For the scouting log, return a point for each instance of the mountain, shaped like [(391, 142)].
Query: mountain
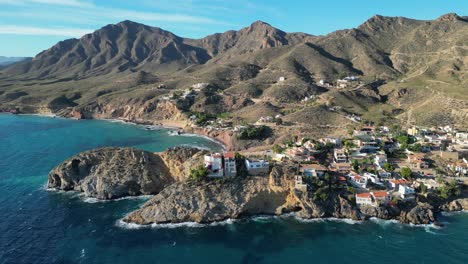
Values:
[(5, 61), (413, 71)]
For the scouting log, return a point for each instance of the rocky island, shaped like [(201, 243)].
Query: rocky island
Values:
[(110, 173)]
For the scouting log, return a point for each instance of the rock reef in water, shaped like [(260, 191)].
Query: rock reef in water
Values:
[(110, 173)]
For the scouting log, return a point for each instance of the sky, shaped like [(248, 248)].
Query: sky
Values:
[(29, 26)]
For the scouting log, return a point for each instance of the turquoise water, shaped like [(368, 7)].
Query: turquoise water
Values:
[(40, 226)]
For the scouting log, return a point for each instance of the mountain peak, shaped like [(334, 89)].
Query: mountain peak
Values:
[(449, 17), (128, 22), (260, 23)]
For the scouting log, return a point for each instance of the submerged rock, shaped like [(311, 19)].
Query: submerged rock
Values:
[(110, 173)]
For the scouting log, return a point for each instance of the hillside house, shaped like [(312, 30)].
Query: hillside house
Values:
[(257, 167), (339, 156), (381, 197), (406, 193), (416, 161), (230, 169), (357, 180), (373, 198), (395, 183), (342, 168), (214, 163), (313, 170), (364, 199), (380, 160)]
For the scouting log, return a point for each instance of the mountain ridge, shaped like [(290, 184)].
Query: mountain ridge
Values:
[(403, 56)]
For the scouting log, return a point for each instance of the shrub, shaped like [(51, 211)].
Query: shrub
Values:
[(253, 132), (199, 173), (406, 173)]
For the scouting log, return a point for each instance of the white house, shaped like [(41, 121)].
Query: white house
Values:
[(230, 169), (381, 197), (380, 160), (372, 177), (406, 193), (281, 79), (364, 199), (214, 163), (257, 167), (373, 198), (395, 183), (313, 170), (340, 156), (357, 180)]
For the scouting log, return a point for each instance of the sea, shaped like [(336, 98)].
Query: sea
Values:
[(38, 225)]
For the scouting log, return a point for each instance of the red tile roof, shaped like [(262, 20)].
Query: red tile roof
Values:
[(229, 155), (363, 195), (380, 194)]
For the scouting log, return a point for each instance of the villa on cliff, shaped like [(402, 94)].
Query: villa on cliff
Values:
[(221, 165), (373, 198)]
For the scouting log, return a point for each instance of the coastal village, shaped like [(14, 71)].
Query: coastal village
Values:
[(373, 166)]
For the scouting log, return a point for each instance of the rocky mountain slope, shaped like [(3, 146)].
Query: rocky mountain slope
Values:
[(121, 65)]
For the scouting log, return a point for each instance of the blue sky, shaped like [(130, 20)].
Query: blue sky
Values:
[(30, 26)]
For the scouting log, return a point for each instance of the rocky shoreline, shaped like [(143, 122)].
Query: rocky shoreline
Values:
[(111, 173)]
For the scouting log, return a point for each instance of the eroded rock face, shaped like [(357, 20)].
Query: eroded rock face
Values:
[(110, 173), (205, 202), (421, 214), (380, 212), (456, 205)]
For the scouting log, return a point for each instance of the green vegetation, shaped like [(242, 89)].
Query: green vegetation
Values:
[(449, 190), (406, 173), (388, 167), (278, 149), (199, 173), (423, 188), (253, 132)]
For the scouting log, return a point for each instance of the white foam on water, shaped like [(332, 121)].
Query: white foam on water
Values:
[(384, 222), (194, 146), (95, 200), (331, 219), (202, 136), (120, 223)]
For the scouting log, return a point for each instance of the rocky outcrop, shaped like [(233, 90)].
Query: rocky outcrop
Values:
[(456, 205), (139, 110), (181, 160), (205, 202), (381, 212), (213, 201), (110, 173), (334, 206), (421, 214)]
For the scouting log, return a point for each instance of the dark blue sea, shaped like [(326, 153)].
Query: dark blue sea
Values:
[(41, 226)]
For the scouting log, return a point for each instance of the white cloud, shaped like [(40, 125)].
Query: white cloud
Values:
[(153, 16), (65, 32), (72, 3)]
